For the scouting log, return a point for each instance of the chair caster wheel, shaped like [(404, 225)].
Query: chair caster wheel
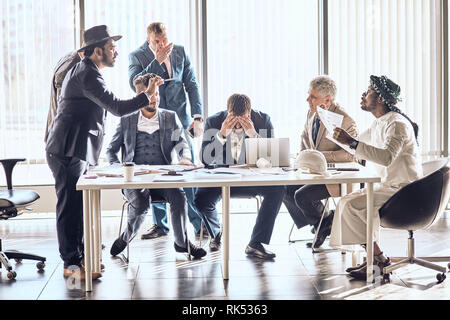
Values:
[(40, 265), (11, 275), (448, 266), (18, 260), (440, 277)]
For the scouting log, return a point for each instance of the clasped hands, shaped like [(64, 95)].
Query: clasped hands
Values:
[(235, 122)]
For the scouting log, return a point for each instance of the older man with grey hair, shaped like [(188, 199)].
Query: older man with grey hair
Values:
[(304, 202)]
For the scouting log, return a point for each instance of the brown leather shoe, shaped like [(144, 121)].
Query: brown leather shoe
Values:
[(102, 266), (79, 273)]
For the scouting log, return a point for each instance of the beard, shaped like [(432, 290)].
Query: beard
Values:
[(107, 62), (150, 109)]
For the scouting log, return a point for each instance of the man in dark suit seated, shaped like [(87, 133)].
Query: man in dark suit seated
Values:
[(223, 144), (152, 136)]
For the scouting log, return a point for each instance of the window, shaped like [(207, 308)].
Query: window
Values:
[(34, 38), (400, 39), (267, 50)]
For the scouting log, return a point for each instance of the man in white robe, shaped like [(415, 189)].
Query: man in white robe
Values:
[(390, 147)]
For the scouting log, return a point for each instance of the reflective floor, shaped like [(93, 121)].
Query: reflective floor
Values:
[(156, 271)]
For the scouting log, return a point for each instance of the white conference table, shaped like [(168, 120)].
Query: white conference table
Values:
[(92, 218)]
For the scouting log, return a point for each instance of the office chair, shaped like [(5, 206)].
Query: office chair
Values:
[(416, 206), (11, 203), (126, 204)]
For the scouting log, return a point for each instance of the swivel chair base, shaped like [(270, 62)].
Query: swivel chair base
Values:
[(18, 256), (422, 261)]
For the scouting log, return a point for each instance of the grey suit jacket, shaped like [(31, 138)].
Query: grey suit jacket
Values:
[(172, 93), (174, 145), (331, 151), (62, 67)]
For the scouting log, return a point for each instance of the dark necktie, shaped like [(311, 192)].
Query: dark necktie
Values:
[(166, 72), (315, 129)]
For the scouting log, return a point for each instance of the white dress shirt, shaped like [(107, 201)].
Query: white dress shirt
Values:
[(236, 139), (148, 125), (392, 148)]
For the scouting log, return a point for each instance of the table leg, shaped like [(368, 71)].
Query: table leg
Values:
[(99, 204), (226, 230), (96, 231), (369, 232), (87, 239)]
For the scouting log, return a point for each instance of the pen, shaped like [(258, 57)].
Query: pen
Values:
[(170, 79)]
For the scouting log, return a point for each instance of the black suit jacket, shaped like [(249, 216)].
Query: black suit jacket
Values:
[(78, 128), (62, 67), (213, 152)]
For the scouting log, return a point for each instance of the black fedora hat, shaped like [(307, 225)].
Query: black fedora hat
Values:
[(96, 35)]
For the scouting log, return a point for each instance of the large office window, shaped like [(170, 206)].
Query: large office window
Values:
[(267, 50), (400, 39), (130, 19), (33, 40)]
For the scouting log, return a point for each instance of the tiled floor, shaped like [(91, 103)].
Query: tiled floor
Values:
[(157, 272)]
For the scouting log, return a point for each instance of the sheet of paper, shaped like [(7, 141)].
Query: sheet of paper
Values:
[(168, 178), (271, 171), (330, 119), (210, 174)]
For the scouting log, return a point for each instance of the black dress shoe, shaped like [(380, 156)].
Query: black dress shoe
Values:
[(118, 246), (216, 242), (350, 269), (196, 251), (257, 250), (154, 232), (324, 231)]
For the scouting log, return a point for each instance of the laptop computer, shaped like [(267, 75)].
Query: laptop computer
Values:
[(275, 150)]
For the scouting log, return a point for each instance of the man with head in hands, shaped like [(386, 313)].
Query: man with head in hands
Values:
[(223, 144)]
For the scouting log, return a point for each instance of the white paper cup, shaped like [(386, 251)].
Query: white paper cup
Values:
[(128, 171)]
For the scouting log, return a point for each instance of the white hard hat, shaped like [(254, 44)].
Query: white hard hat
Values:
[(311, 160)]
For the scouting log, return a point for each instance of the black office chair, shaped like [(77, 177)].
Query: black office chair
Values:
[(11, 203), (415, 207)]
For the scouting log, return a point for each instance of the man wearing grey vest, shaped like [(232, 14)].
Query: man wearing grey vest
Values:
[(153, 137)]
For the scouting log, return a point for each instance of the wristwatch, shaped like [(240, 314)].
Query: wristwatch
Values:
[(198, 119), (354, 144)]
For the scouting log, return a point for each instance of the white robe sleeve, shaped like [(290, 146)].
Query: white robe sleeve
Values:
[(394, 136)]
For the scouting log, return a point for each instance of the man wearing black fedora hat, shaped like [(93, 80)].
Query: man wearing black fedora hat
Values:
[(76, 137)]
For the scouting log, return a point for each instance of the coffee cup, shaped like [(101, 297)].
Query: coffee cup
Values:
[(128, 171)]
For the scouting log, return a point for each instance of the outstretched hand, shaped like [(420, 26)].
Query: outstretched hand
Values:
[(153, 83)]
